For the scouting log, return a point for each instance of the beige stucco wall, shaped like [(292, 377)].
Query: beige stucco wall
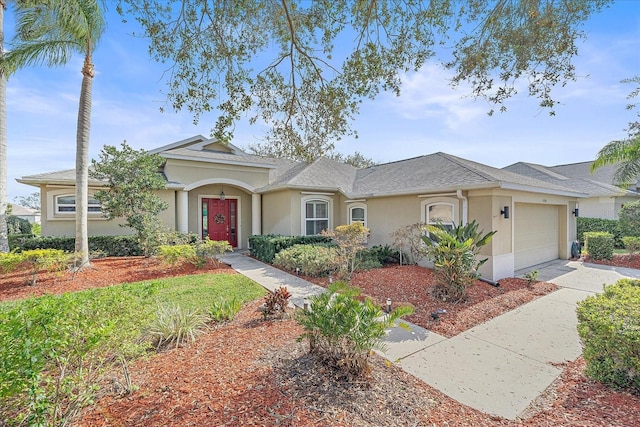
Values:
[(192, 172), (277, 213), (598, 207), (65, 225)]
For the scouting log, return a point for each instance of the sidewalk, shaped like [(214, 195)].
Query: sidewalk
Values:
[(498, 367)]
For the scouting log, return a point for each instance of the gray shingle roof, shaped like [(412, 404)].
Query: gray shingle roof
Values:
[(432, 173), (576, 176), (442, 172)]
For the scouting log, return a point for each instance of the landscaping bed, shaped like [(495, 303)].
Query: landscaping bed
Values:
[(254, 372), (411, 285)]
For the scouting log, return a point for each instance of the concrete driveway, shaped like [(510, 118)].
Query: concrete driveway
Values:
[(501, 366)]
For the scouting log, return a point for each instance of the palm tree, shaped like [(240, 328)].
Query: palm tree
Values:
[(48, 32), (4, 237), (625, 154)]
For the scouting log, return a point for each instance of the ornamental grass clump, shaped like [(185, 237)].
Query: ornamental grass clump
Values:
[(175, 325), (342, 331)]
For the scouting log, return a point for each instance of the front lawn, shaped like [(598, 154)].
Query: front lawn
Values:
[(54, 349)]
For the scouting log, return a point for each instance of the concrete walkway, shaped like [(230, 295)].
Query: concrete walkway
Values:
[(498, 367)]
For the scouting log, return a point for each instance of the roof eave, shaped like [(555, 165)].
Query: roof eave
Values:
[(534, 189), (220, 161)]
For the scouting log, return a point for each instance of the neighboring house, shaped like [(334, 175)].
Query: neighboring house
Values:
[(219, 191), (605, 199), (31, 215)]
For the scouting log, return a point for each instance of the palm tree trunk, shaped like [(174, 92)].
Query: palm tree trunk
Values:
[(4, 232), (82, 166)]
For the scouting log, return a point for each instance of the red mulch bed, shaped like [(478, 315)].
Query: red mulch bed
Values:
[(411, 285), (253, 372), (103, 272), (618, 260)]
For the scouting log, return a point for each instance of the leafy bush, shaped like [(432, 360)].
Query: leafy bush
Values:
[(224, 309), (197, 254), (265, 247), (612, 226), (113, 246), (385, 254), (54, 350), (17, 240), (350, 240), (210, 250), (310, 260), (342, 331), (276, 302), (631, 244), (629, 219), (531, 277), (17, 225), (609, 327), (367, 260), (408, 239), (176, 254), (175, 325), (599, 245), (33, 261), (453, 252)]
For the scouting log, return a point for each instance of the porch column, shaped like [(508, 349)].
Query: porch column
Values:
[(182, 220), (256, 213)]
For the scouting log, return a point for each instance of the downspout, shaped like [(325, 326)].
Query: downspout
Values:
[(465, 206)]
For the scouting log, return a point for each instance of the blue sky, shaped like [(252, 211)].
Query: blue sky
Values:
[(428, 117)]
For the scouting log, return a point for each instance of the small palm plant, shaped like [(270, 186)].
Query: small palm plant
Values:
[(454, 254)]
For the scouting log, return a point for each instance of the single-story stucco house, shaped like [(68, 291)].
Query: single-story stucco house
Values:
[(605, 199), (31, 215), (222, 192)]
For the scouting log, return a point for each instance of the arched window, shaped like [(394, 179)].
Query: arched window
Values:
[(358, 213), (440, 213), (316, 216)]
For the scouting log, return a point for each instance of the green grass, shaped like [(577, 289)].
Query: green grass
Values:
[(47, 342)]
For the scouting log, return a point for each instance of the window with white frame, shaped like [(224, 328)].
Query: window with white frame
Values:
[(316, 216), (440, 213), (66, 204), (358, 213)]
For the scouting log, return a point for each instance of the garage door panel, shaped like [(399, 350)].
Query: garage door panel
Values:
[(536, 234)]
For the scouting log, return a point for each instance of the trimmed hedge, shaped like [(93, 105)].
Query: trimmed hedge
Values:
[(612, 226), (609, 327), (311, 260), (599, 245), (105, 245), (265, 247)]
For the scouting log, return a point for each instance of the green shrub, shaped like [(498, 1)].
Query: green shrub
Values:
[(609, 327), (17, 225), (210, 250), (176, 254), (224, 309), (34, 261), (265, 247), (454, 256), (175, 325), (112, 246), (612, 226), (599, 245), (16, 240), (385, 254), (197, 254), (54, 350), (629, 219), (367, 260), (531, 277), (342, 331), (310, 260), (631, 244)]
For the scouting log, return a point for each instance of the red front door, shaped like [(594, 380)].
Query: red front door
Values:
[(219, 220)]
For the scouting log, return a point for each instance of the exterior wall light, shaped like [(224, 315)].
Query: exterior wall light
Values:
[(505, 212)]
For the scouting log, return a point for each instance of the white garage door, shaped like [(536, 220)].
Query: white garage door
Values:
[(536, 234)]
